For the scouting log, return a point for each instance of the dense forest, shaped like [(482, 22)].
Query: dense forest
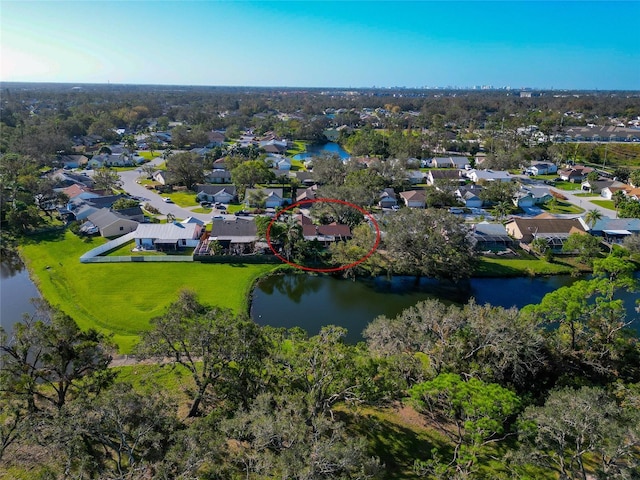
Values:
[(439, 391)]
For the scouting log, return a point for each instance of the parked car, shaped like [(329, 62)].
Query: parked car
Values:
[(395, 208), (205, 204), (167, 200), (241, 213), (221, 207)]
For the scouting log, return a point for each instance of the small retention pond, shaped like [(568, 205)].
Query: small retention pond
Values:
[(311, 302), (320, 149)]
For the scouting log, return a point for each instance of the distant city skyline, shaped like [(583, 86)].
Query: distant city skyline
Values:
[(589, 45)]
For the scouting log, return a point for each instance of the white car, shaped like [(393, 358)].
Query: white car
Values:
[(167, 200)]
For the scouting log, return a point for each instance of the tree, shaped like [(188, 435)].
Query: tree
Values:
[(49, 358), (498, 192), (634, 178), (592, 217), (329, 170), (124, 203), (579, 427), (478, 410), (248, 173), (361, 243), (274, 437), (585, 246), (221, 351), (431, 242), (186, 169), (106, 179)]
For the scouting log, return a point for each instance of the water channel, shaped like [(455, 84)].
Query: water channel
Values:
[(16, 292), (316, 150), (310, 302)]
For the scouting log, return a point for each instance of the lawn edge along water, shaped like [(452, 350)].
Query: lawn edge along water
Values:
[(121, 298)]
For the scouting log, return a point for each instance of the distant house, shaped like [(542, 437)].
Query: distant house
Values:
[(274, 146), (388, 198), (110, 223), (167, 236), (220, 164), (574, 174), (218, 176), (215, 138), (554, 230), (413, 198), (531, 196), (435, 175), (596, 186), (441, 162), (325, 234), (613, 229), (273, 197), (66, 179), (543, 168), (237, 236), (305, 195), (215, 193), (489, 176), (416, 176), (279, 162), (305, 178), (470, 195), (161, 176), (79, 191), (480, 158), (73, 161)]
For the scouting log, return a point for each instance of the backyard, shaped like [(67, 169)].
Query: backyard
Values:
[(121, 298)]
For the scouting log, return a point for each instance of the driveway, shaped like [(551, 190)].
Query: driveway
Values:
[(585, 202)]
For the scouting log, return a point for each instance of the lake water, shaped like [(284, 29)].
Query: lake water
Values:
[(312, 302), (320, 149), (16, 292)]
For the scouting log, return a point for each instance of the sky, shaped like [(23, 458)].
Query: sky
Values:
[(560, 45)]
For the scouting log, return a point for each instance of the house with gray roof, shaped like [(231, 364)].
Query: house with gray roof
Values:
[(109, 223), (215, 193), (613, 229), (273, 197), (237, 236), (490, 236)]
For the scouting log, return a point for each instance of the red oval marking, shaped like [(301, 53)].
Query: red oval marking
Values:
[(324, 270)]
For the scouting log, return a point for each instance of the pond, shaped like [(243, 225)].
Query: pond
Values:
[(316, 150), (16, 292), (311, 302)]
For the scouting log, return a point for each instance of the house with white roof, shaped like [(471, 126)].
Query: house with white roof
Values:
[(167, 236), (489, 176)]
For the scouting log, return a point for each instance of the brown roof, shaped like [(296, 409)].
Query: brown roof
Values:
[(543, 225), (413, 195)]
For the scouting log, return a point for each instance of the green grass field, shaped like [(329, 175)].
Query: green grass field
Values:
[(561, 207), (183, 199), (121, 298), (605, 204), (517, 267)]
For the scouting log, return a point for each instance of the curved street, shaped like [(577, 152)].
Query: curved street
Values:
[(133, 188)]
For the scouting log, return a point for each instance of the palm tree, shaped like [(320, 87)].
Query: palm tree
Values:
[(592, 217)]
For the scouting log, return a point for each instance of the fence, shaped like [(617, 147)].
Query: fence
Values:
[(143, 259), (90, 256)]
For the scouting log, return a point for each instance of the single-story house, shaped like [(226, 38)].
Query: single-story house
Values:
[(596, 186), (627, 190), (414, 198), (489, 176), (279, 162), (470, 199), (273, 197), (215, 193), (530, 196), (543, 168), (161, 176), (305, 195), (450, 175), (79, 191), (237, 236), (388, 198), (613, 229), (215, 138), (325, 234), (218, 176), (491, 236), (304, 177), (555, 230), (73, 161), (111, 223), (441, 162), (577, 173), (416, 176), (167, 236), (66, 179)]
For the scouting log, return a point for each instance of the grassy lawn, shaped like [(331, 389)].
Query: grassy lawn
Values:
[(121, 298), (183, 199), (297, 165), (605, 204), (201, 210), (568, 186), (147, 155), (586, 195), (299, 146), (524, 265), (561, 207)]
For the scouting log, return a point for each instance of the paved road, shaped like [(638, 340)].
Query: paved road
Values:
[(129, 185), (585, 202)]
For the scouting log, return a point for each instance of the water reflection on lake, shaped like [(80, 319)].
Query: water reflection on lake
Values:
[(16, 291), (311, 302), (316, 150)]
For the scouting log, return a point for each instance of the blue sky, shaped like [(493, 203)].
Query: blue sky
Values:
[(577, 44)]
